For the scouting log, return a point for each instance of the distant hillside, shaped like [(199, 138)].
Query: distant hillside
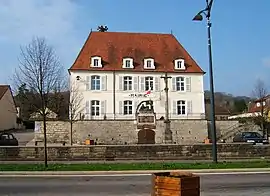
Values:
[(228, 101), (221, 96)]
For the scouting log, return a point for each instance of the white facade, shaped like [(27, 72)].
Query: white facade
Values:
[(115, 95), (8, 112)]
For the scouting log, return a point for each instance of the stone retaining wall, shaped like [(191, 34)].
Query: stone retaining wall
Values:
[(121, 132), (135, 152)]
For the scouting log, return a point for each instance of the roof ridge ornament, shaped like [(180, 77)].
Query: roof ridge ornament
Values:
[(102, 28)]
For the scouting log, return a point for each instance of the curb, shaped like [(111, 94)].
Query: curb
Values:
[(131, 172)]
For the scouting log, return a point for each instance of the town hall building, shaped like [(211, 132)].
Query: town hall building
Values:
[(115, 71)]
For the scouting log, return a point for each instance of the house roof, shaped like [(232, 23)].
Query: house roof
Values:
[(114, 46), (254, 108), (219, 110), (253, 105), (3, 90)]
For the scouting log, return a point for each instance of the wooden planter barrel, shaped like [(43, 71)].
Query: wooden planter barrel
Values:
[(175, 184)]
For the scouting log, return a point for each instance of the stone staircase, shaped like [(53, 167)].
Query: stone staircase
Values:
[(235, 129)]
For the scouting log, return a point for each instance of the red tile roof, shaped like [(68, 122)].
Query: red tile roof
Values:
[(254, 108), (3, 90), (114, 46)]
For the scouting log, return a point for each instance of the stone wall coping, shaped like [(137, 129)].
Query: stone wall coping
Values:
[(134, 145), (130, 120)]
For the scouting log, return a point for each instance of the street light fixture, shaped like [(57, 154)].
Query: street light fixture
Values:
[(199, 17)]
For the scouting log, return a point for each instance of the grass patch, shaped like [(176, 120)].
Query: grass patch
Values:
[(132, 166)]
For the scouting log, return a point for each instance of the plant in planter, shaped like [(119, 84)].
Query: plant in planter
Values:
[(175, 184)]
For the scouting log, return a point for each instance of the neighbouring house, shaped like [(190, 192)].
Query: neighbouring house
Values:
[(255, 108), (8, 111), (117, 70), (221, 111), (259, 105), (37, 115)]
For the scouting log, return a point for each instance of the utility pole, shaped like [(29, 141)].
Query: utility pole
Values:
[(168, 133)]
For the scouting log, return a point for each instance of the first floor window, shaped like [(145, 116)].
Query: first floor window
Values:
[(95, 82), (127, 83), (95, 108), (127, 107), (181, 107), (149, 83), (180, 84)]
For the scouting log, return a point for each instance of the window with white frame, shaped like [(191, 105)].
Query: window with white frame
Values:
[(149, 63), (179, 64), (180, 83), (95, 82), (95, 108), (127, 63), (149, 83), (127, 80), (128, 107), (96, 62), (181, 107)]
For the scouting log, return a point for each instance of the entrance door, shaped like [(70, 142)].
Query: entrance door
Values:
[(146, 136)]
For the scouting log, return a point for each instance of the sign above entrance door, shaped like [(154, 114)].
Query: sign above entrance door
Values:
[(141, 95), (136, 95)]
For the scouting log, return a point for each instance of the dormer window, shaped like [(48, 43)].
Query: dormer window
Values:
[(149, 63), (179, 64), (96, 61), (128, 63)]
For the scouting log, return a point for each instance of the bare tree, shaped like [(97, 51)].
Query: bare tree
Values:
[(75, 108), (260, 92), (40, 70)]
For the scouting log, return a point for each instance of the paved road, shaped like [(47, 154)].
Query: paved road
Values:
[(212, 185)]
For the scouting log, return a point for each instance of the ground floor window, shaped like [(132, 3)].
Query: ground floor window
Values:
[(127, 107), (181, 107), (95, 108)]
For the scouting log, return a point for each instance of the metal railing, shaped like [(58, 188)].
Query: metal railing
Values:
[(159, 116)]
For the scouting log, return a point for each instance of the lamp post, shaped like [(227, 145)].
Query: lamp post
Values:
[(199, 17)]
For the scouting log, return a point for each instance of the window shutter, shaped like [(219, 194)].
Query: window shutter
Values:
[(135, 83), (88, 83), (103, 107), (174, 108), (142, 84), (121, 109), (157, 83), (104, 83), (189, 107), (120, 83), (173, 83), (188, 84), (87, 110)]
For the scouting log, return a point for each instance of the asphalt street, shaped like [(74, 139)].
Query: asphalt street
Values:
[(211, 185)]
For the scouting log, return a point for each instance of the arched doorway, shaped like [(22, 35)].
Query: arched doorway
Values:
[(146, 136)]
